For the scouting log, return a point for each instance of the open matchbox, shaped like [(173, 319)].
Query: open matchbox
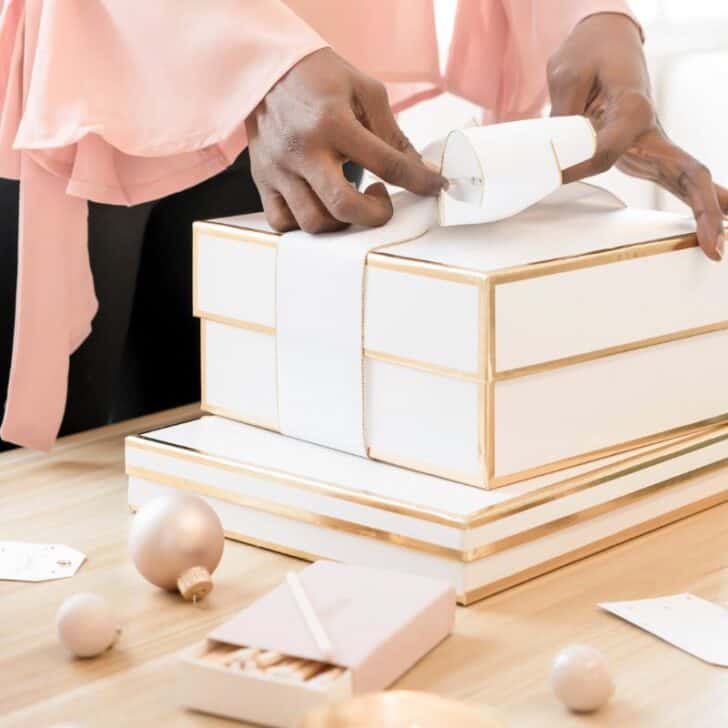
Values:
[(265, 667)]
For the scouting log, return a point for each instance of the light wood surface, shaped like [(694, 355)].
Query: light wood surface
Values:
[(499, 654)]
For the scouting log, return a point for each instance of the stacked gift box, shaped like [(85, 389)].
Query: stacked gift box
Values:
[(534, 390)]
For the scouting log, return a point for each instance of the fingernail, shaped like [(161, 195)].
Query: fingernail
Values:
[(720, 246)]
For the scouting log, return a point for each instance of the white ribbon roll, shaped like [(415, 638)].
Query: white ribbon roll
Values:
[(495, 172)]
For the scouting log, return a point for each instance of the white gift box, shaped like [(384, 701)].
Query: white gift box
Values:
[(495, 352), (312, 502), (374, 640)]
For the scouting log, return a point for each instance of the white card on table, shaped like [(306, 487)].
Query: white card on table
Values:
[(695, 625), (20, 561)]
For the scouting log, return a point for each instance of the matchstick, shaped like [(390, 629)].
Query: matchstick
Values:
[(309, 615), (268, 659)]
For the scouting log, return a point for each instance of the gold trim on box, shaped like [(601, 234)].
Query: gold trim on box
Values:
[(477, 553), (594, 258), (487, 281), (604, 474), (665, 519), (550, 365), (467, 556), (180, 452), (423, 366), (457, 476), (570, 462), (296, 514), (470, 597), (537, 497), (237, 323), (240, 234)]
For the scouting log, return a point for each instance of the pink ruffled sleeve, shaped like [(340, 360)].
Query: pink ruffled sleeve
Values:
[(117, 102), (500, 49)]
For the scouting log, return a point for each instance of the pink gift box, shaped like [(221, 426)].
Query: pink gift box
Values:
[(380, 623)]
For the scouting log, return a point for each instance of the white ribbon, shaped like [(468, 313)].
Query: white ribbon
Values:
[(495, 172)]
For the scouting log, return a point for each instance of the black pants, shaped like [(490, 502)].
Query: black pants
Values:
[(143, 353)]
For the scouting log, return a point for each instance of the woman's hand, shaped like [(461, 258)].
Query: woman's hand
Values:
[(600, 72), (322, 113)]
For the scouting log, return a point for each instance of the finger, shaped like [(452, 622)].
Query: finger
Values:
[(623, 121), (277, 212), (696, 188), (357, 143), (722, 193), (613, 141), (654, 157), (569, 89), (309, 212), (345, 203), (375, 113)]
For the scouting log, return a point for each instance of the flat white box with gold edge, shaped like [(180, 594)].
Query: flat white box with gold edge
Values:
[(495, 352), (312, 502)]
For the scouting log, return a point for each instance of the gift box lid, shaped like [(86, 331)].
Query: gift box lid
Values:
[(379, 622), (574, 221)]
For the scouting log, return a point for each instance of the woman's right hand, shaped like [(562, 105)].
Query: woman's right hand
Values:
[(322, 113)]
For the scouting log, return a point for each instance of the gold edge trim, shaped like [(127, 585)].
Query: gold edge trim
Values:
[(269, 546), (239, 234), (258, 543), (532, 499), (483, 347), (195, 266), (593, 258), (566, 463), (231, 415), (422, 366), (203, 365), (144, 442), (587, 514), (427, 269), (444, 473), (237, 323), (408, 265), (296, 514), (518, 539), (410, 363), (604, 474), (474, 595), (490, 394), (546, 366), (464, 275)]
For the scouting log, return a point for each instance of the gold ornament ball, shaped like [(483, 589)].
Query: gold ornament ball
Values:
[(176, 542), (401, 709), (581, 679), (86, 625)]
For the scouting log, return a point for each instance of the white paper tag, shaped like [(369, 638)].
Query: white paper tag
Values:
[(20, 561), (695, 625)]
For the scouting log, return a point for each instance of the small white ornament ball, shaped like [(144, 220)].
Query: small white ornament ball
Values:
[(581, 679), (86, 625), (176, 542)]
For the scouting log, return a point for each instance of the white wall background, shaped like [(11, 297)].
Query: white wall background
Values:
[(687, 49)]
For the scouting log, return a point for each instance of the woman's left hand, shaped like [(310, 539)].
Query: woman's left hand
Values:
[(600, 72)]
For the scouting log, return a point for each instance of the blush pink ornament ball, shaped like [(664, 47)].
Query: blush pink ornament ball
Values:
[(176, 542), (86, 625), (581, 679)]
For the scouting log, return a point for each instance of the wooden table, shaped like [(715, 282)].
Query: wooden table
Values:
[(499, 654)]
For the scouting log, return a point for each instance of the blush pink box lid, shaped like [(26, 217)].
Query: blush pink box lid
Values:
[(380, 623)]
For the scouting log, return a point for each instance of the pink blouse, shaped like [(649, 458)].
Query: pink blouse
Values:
[(123, 101)]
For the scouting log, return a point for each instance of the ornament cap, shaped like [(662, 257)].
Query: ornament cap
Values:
[(194, 583)]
